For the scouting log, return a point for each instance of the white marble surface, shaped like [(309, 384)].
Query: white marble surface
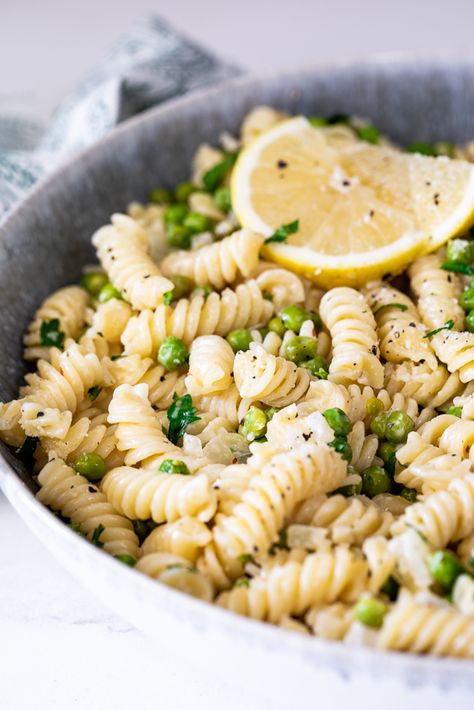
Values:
[(59, 647)]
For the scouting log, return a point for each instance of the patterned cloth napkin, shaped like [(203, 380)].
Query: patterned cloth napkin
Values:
[(147, 66)]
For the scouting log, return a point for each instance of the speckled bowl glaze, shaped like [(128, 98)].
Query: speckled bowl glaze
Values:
[(43, 245)]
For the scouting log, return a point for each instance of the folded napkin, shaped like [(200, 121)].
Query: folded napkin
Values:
[(149, 65)]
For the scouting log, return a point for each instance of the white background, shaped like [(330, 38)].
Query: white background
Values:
[(60, 648)]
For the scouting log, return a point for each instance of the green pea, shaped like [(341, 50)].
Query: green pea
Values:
[(183, 191), (178, 236), (378, 425), (254, 424), (276, 326), (410, 494), (172, 353), (126, 559), (338, 421), (460, 250), (182, 286), (91, 466), (94, 281), (300, 348), (293, 317), (342, 447), (467, 299), (354, 489), (373, 406), (370, 612), (160, 196), (222, 199), (470, 321), (239, 339), (174, 466), (455, 411), (196, 222), (107, 292), (390, 588), (399, 425), (205, 290), (270, 412), (175, 214), (317, 366), (375, 480), (387, 452), (445, 568), (317, 121)]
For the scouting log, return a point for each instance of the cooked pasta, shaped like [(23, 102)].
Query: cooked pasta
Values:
[(122, 248), (70, 307), (217, 264), (347, 315), (217, 314), (242, 423)]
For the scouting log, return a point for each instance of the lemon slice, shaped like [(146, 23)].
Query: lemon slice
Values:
[(364, 210)]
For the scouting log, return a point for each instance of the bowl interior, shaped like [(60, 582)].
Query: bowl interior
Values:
[(46, 241)]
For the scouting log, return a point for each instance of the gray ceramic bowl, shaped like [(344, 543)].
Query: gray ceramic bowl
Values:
[(43, 245)]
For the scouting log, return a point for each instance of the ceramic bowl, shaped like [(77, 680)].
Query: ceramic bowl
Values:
[(43, 245)]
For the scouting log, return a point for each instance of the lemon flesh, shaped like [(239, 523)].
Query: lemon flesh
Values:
[(363, 210)]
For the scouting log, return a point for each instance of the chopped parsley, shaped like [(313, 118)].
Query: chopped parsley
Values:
[(281, 234), (280, 544), (245, 559), (126, 559), (77, 528), (180, 565), (400, 306), (96, 536), (447, 326), (242, 582), (180, 414), (168, 297), (94, 392), (213, 177), (458, 267), (51, 334)]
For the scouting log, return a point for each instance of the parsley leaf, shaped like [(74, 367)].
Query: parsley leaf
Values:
[(212, 178), (400, 306), (168, 297), (180, 565), (241, 582), (245, 559), (280, 544), (50, 333), (77, 528), (457, 267), (94, 392), (180, 414), (27, 449), (447, 326), (280, 234), (126, 559), (96, 535)]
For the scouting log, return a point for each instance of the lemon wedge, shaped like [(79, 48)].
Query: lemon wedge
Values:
[(364, 210)]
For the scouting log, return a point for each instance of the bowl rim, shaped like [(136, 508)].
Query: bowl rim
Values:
[(414, 670)]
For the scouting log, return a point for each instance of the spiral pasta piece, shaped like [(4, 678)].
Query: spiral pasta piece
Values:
[(211, 361), (273, 380), (284, 286), (437, 291), (428, 468), (70, 307), (347, 315), (110, 320), (294, 587), (364, 448), (64, 383), (398, 325), (176, 572), (217, 264), (456, 350), (270, 498), (122, 248), (185, 537), (442, 631), (421, 383), (244, 307), (331, 622), (85, 505), (442, 517)]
